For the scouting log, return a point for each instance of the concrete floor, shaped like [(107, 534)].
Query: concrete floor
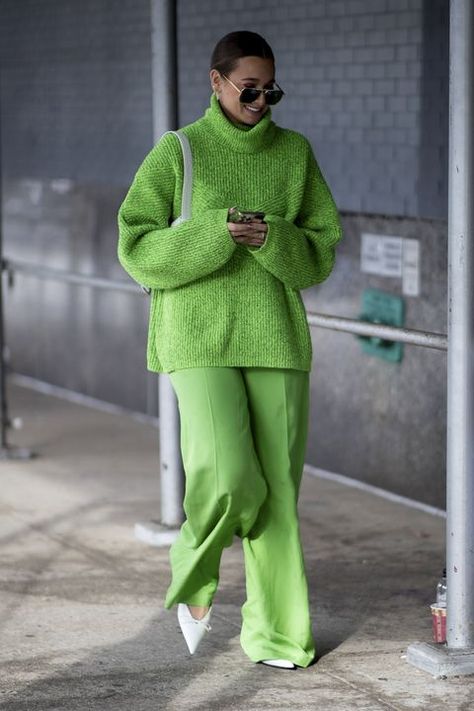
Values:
[(82, 624)]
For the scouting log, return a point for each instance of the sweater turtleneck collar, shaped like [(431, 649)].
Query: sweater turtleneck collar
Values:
[(240, 138)]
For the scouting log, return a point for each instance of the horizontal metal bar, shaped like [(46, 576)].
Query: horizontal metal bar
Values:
[(437, 341), (14, 265)]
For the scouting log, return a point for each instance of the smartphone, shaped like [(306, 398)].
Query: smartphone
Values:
[(237, 215)]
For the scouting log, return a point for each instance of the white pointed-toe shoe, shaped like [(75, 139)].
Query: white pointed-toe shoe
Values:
[(280, 663), (193, 630)]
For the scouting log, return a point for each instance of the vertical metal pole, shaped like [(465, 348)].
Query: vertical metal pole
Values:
[(6, 451), (164, 66), (460, 415), (164, 91), (3, 391), (171, 468)]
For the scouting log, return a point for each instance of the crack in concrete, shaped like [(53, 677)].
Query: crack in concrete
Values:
[(362, 689)]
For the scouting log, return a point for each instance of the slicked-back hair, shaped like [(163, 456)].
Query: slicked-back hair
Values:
[(236, 45)]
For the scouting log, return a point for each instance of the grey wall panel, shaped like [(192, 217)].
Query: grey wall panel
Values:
[(382, 422), (87, 340), (76, 123)]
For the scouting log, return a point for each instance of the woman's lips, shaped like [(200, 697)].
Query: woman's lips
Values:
[(253, 111)]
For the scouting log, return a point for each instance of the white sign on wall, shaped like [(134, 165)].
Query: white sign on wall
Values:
[(389, 256), (411, 267)]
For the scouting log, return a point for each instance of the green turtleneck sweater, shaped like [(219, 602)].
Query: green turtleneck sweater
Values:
[(213, 302)]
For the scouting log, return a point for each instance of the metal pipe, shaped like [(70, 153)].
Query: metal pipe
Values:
[(460, 414), (13, 265), (388, 333), (164, 101), (412, 337)]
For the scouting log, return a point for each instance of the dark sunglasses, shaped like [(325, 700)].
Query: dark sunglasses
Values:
[(249, 94)]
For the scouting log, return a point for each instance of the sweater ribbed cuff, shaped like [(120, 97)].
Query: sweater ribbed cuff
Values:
[(297, 256)]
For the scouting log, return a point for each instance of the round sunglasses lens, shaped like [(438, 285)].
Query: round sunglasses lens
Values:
[(248, 95), (273, 96)]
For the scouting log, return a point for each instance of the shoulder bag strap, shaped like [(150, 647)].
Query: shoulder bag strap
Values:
[(187, 180), (187, 184)]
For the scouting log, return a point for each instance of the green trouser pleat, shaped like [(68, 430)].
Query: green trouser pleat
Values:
[(276, 619), (224, 484), (243, 441)]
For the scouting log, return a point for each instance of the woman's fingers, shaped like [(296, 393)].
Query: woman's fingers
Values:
[(244, 229), (257, 241), (255, 226), (252, 233), (254, 238)]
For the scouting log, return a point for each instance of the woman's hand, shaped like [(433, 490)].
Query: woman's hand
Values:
[(249, 233)]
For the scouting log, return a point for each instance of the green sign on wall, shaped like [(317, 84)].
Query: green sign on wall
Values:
[(380, 307)]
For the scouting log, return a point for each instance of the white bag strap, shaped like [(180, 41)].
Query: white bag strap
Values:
[(187, 184), (187, 180)]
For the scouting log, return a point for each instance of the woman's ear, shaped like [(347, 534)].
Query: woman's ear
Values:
[(215, 78)]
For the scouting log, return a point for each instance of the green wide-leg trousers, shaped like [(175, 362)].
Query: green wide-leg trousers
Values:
[(243, 442)]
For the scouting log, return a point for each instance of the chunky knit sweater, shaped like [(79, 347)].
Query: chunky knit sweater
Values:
[(215, 302)]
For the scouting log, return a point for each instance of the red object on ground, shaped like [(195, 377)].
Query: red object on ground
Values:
[(438, 615)]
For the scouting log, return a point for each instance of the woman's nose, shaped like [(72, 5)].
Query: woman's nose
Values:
[(259, 102)]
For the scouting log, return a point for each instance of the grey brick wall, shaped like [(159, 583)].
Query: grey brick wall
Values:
[(366, 81), (75, 88)]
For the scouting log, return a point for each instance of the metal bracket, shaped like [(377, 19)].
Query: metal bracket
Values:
[(440, 660), (155, 534), (18, 453)]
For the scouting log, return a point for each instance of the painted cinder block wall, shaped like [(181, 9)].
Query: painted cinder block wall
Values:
[(365, 80)]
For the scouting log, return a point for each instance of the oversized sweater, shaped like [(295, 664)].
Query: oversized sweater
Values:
[(215, 302)]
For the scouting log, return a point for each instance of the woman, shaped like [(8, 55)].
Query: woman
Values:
[(228, 324)]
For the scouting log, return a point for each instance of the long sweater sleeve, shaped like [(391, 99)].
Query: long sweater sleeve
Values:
[(302, 253), (155, 254)]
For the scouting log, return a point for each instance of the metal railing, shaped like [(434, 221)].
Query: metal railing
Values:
[(12, 266), (426, 339)]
